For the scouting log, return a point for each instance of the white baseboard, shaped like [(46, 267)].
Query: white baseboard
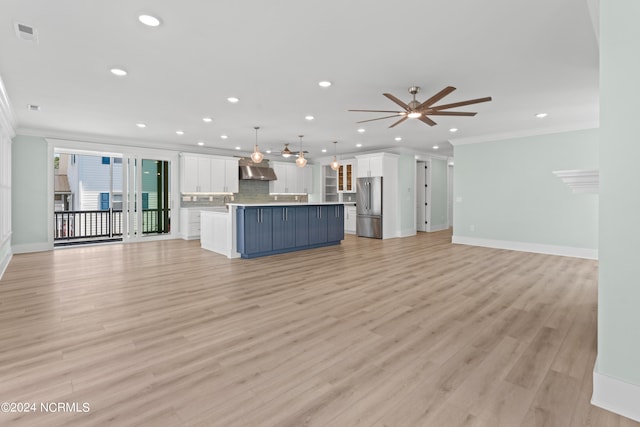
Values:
[(31, 247), (527, 247), (438, 227), (407, 233), (616, 396), (4, 263)]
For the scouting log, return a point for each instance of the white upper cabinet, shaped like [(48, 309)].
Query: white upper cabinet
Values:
[(189, 174), (291, 179), (370, 166), (307, 179), (208, 174), (204, 175), (347, 177), (224, 175)]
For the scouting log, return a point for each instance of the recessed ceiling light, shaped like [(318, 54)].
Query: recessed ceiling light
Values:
[(324, 150), (33, 107), (148, 20), (268, 151), (358, 145), (118, 72), (237, 148), (453, 130), (233, 99), (541, 115), (324, 83), (309, 118), (435, 147), (141, 125), (179, 132), (361, 130), (397, 138), (200, 143), (207, 119), (224, 136)]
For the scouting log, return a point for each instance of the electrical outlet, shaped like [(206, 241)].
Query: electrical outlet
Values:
[(472, 227)]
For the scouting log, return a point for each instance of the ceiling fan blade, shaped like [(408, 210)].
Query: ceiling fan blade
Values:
[(437, 97), (379, 118), (399, 121), (378, 111), (450, 113), (461, 103), (427, 120), (396, 100)]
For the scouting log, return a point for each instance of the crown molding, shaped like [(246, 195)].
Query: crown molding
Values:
[(524, 133), (580, 181), (98, 139)]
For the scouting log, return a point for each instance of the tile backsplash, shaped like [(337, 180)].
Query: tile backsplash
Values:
[(249, 192)]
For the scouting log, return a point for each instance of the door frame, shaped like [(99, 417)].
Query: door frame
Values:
[(126, 152)]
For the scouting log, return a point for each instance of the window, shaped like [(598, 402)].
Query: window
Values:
[(104, 201), (117, 202)]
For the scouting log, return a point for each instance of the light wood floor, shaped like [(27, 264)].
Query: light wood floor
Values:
[(401, 332)]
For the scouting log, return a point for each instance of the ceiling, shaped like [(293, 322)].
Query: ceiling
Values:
[(531, 57)]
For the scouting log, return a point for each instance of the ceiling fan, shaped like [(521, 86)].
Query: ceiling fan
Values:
[(288, 153), (421, 111)]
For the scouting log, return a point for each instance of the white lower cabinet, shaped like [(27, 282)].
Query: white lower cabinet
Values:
[(190, 221), (350, 219)]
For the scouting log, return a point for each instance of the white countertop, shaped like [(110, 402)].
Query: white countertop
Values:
[(288, 204), (207, 208), (215, 211)]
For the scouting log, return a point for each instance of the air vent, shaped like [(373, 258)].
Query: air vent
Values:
[(33, 107), (25, 32)]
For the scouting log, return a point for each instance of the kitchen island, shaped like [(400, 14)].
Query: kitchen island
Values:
[(255, 230)]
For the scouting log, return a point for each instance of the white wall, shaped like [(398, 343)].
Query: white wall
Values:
[(406, 172), (6, 132), (617, 374), (30, 194), (507, 195)]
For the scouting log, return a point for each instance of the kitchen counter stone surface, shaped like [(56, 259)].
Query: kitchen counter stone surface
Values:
[(287, 204)]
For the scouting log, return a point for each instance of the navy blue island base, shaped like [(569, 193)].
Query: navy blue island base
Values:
[(267, 230)]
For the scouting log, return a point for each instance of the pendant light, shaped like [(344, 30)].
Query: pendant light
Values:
[(334, 164), (301, 161), (256, 156)]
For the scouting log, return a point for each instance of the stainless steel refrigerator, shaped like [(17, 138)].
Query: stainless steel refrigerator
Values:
[(369, 207)]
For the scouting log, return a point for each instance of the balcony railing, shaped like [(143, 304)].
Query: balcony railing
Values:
[(104, 225)]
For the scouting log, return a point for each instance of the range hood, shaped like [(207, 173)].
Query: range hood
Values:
[(256, 171)]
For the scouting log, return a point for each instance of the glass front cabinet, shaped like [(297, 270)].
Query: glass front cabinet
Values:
[(346, 178)]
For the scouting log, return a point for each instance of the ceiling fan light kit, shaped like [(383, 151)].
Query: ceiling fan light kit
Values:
[(286, 153), (421, 110)]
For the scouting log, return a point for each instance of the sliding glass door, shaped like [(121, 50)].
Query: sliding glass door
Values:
[(148, 200), (155, 197)]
